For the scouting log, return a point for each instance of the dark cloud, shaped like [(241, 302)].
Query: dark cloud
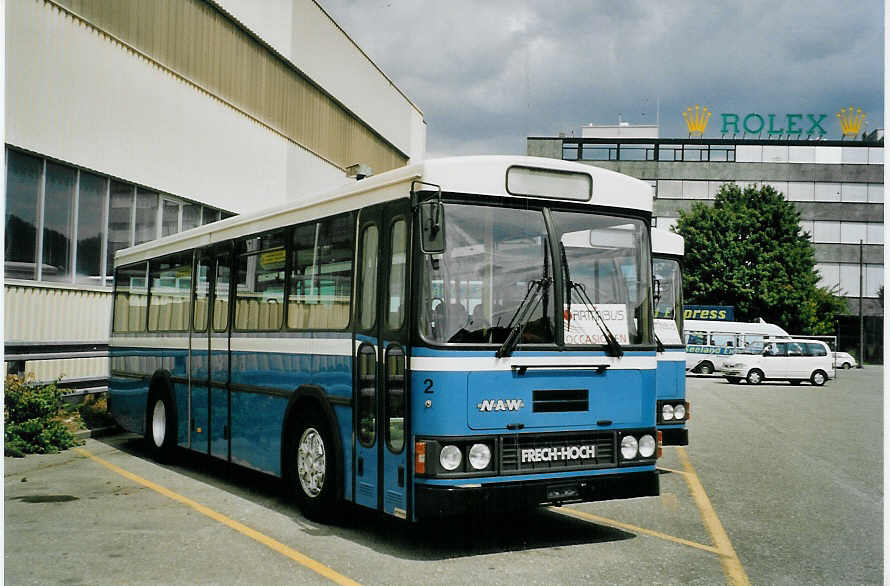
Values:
[(488, 74)]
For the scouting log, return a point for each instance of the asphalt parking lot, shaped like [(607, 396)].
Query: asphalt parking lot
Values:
[(779, 485)]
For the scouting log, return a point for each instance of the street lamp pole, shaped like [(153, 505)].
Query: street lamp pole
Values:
[(861, 330)]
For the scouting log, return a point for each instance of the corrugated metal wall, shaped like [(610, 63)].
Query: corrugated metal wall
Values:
[(198, 42), (45, 313)]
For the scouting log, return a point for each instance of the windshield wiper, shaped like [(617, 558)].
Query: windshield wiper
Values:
[(611, 342), (520, 317), (659, 346)]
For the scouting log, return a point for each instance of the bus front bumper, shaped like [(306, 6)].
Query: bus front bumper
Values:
[(445, 501), (674, 436)]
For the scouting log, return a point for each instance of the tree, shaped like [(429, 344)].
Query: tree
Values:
[(749, 251)]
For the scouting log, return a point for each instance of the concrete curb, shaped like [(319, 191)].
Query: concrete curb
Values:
[(98, 432)]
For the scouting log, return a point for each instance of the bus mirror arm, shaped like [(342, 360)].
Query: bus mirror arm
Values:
[(431, 219)]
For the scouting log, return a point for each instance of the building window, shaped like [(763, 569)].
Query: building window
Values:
[(191, 216), (853, 232), (24, 180), (570, 151), (91, 209), (74, 220), (824, 232), (170, 217), (599, 152), (146, 226), (58, 216)]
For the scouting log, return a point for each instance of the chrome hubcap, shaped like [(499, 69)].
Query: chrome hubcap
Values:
[(755, 377), (818, 378), (311, 462), (159, 423)]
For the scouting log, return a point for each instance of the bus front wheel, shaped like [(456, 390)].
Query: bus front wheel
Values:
[(706, 368), (311, 470), (818, 378)]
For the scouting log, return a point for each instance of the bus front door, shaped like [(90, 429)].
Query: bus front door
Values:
[(381, 334), (366, 346)]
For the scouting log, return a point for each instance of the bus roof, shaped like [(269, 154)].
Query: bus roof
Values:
[(733, 327), (484, 175), (666, 242)]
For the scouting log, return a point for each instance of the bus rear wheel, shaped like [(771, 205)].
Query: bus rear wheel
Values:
[(706, 368), (311, 473), (818, 378), (160, 428)]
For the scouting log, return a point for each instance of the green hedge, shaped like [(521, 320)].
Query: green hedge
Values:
[(29, 415)]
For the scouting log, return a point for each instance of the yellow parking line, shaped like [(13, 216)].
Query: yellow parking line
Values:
[(732, 566), (308, 562), (633, 528)]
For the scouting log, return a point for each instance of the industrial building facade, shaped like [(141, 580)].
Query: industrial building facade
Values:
[(128, 121), (836, 185)]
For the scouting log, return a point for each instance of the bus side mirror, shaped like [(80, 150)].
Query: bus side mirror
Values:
[(432, 227)]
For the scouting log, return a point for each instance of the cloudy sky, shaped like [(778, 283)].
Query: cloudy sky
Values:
[(486, 74)]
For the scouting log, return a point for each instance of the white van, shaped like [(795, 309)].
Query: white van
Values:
[(791, 360), (709, 343)]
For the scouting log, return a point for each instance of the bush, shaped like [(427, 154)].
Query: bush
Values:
[(29, 415)]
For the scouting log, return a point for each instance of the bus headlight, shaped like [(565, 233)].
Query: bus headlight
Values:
[(647, 446), (450, 457), (680, 412), (628, 447), (479, 456), (667, 412)]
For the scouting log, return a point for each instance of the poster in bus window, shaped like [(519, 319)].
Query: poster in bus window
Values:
[(667, 332), (582, 329)]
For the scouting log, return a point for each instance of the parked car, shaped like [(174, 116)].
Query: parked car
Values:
[(844, 360), (791, 360)]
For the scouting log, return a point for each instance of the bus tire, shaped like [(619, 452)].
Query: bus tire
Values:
[(846, 366), (706, 368), (160, 428), (755, 377), (311, 466), (818, 378)]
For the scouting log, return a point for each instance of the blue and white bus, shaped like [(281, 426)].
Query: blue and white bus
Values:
[(457, 334), (672, 409)]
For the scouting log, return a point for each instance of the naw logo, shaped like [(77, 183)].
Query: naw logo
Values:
[(851, 123), (500, 405), (697, 121)]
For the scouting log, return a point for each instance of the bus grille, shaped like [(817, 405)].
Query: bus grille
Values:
[(554, 452), (559, 400)]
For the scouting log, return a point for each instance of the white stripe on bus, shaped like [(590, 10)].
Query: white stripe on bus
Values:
[(464, 363)]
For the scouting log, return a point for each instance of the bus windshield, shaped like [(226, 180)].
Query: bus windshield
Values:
[(669, 306), (497, 275)]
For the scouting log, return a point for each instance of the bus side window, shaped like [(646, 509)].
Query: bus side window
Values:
[(130, 298), (259, 289), (170, 293)]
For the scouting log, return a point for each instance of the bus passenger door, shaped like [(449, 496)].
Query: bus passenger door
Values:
[(395, 331), (381, 335), (209, 418), (200, 354), (366, 347), (220, 422)]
